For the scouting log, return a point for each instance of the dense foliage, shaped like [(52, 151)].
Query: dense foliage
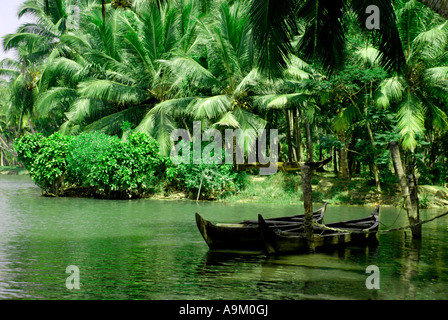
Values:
[(206, 179), (154, 66), (100, 165)]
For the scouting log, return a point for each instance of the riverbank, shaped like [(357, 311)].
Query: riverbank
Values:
[(328, 187), (13, 171), (286, 188)]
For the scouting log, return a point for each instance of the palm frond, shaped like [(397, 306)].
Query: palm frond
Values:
[(387, 37), (390, 90), (281, 101), (324, 39), (112, 124), (249, 123), (84, 110), (112, 92), (187, 69), (210, 107), (345, 118), (273, 26), (55, 98), (250, 80), (369, 56), (436, 117), (436, 74), (159, 126), (432, 43), (297, 69), (175, 107), (228, 120), (410, 120)]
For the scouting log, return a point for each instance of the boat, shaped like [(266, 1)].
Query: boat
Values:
[(286, 166), (245, 235), (354, 232)]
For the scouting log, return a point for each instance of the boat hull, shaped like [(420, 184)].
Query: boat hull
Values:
[(278, 242), (246, 235)]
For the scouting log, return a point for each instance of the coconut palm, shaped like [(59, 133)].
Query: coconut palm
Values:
[(323, 26), (288, 97), (420, 91), (36, 44), (214, 86), (116, 67), (23, 76)]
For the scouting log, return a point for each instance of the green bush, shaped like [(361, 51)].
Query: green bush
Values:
[(106, 165), (114, 168), (28, 148), (45, 158), (211, 180), (95, 164)]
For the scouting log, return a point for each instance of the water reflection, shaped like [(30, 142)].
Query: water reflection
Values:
[(153, 250), (410, 269)]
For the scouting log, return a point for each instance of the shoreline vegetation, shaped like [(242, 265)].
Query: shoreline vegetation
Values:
[(285, 188), (91, 100)]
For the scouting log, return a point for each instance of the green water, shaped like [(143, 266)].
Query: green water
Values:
[(151, 249)]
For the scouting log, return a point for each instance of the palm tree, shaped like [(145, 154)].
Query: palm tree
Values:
[(420, 91), (118, 66), (7, 133), (23, 76), (36, 44), (215, 86), (323, 25), (358, 83), (288, 97)]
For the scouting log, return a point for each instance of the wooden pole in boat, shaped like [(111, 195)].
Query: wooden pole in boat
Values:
[(409, 191), (308, 204)]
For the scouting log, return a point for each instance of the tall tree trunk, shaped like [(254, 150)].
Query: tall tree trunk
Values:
[(409, 192), (438, 6), (375, 170), (309, 143), (343, 160), (335, 160), (298, 131), (289, 127), (308, 204), (31, 126)]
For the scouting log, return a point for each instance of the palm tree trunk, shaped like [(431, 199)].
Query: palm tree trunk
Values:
[(20, 123), (308, 206), (343, 160), (374, 166), (372, 140), (335, 160), (298, 131), (409, 191), (31, 126), (438, 6), (291, 152), (309, 142)]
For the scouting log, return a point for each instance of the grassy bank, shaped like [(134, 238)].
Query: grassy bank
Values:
[(287, 188)]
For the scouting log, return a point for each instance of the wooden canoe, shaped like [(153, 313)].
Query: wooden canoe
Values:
[(356, 232), (245, 235)]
